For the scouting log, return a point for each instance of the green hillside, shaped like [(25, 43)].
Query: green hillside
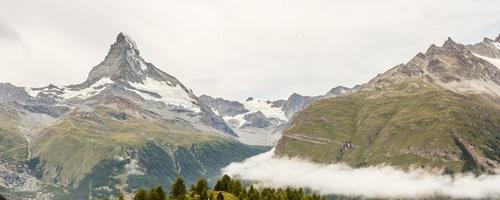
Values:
[(12, 143), (411, 124), (96, 154)]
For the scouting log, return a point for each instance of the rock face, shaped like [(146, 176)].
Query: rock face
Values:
[(439, 111), (125, 74), (128, 125), (471, 69), (260, 121)]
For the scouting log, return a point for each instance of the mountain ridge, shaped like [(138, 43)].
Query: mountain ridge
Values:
[(439, 111), (261, 121), (128, 125)]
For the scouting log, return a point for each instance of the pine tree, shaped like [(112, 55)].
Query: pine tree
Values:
[(121, 197), (218, 186), (235, 187), (141, 195), (178, 190), (153, 195), (253, 194), (201, 185), (226, 180), (161, 193), (223, 184), (220, 196), (204, 195)]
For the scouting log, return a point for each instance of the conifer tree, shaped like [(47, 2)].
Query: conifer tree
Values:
[(201, 185), (161, 193), (141, 195), (153, 195), (178, 190), (253, 194), (204, 195), (235, 187), (218, 186)]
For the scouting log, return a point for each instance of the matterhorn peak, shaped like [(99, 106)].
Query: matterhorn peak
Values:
[(124, 43), (123, 63)]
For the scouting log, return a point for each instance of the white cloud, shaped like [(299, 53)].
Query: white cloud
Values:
[(262, 48), (371, 182)]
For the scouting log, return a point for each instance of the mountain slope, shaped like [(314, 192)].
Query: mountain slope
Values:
[(440, 110), (260, 121), (128, 125)]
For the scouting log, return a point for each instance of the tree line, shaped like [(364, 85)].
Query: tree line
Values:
[(226, 188)]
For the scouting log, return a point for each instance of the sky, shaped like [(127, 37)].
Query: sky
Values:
[(235, 49)]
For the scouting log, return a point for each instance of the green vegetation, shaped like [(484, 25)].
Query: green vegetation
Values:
[(89, 150), (411, 124), (12, 144), (232, 189)]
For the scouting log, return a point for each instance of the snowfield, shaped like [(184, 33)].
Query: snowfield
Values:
[(170, 94), (68, 93), (266, 108)]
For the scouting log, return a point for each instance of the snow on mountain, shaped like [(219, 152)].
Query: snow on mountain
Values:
[(67, 93), (494, 61), (266, 107), (124, 74), (168, 93), (460, 68), (259, 121)]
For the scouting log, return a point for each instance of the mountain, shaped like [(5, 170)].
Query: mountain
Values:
[(439, 111), (261, 121), (128, 125)]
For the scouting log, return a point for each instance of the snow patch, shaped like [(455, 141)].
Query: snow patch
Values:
[(144, 67), (237, 120), (494, 61), (67, 93), (94, 89), (170, 95), (131, 168), (32, 92), (496, 44), (266, 108), (216, 112)]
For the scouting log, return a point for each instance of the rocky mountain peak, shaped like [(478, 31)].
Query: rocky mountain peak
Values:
[(450, 44), (487, 40), (125, 43), (460, 68), (498, 38), (122, 64)]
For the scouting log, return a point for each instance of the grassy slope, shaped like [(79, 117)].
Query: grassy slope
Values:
[(80, 141), (12, 144), (410, 124), (83, 148)]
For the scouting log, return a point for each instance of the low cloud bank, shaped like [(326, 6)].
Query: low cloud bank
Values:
[(382, 182)]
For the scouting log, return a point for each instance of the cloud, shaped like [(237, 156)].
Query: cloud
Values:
[(371, 182), (262, 48), (8, 33)]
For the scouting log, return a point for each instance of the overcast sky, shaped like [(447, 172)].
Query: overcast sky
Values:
[(235, 49)]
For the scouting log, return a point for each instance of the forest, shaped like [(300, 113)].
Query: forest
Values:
[(226, 188)]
